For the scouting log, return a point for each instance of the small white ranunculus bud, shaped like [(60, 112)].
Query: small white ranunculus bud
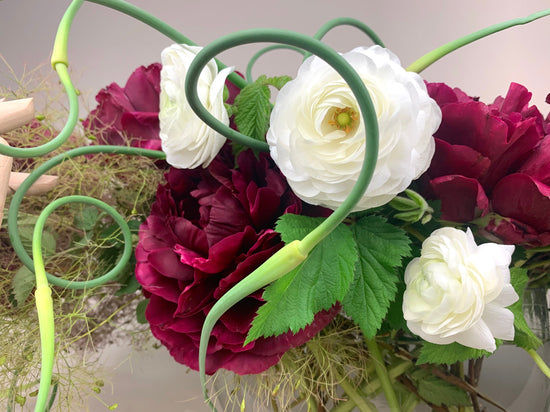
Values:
[(187, 141), (458, 291)]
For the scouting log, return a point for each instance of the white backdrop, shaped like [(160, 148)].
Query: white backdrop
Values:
[(106, 46)]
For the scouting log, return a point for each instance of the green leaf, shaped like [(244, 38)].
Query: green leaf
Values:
[(140, 311), (87, 218), (278, 82), (252, 106), (449, 354), (318, 283), (524, 336), (22, 285), (381, 248), (440, 392), (253, 109)]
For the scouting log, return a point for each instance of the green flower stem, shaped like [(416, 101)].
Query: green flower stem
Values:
[(282, 262), (161, 27), (264, 274), (43, 293), (62, 137), (348, 21), (539, 361), (263, 51), (355, 396), (382, 374), (33, 177), (340, 65), (438, 53), (373, 385)]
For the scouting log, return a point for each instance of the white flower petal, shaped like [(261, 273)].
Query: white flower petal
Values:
[(187, 141), (500, 321), (479, 336), (457, 291)]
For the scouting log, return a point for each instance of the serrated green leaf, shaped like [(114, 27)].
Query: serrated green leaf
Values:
[(318, 283), (440, 392), (381, 248), (449, 354), (22, 285), (253, 109), (394, 318), (87, 218), (278, 82), (524, 336), (140, 311)]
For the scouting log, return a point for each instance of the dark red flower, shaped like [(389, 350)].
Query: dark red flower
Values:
[(208, 229), (491, 165), (129, 113)]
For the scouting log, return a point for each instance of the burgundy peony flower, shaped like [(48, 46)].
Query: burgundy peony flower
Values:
[(491, 165), (129, 113), (208, 229)]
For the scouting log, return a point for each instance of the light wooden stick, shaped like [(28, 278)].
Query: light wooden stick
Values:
[(15, 113), (43, 184), (5, 171)]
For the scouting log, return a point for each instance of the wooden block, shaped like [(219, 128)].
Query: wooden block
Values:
[(15, 113), (44, 184), (5, 172)]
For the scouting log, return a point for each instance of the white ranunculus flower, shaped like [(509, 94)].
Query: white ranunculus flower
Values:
[(187, 141), (458, 291), (317, 138)]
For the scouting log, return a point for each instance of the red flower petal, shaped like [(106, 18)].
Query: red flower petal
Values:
[(462, 198), (521, 197)]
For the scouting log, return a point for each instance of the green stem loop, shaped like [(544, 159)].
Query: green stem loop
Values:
[(266, 274), (43, 293), (33, 177), (162, 27)]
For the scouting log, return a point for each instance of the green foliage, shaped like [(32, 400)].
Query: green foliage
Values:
[(140, 311), (252, 106), (449, 354), (524, 336), (381, 248), (439, 392), (322, 280), (87, 218), (22, 284)]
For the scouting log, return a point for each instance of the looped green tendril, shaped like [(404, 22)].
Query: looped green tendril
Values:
[(43, 293), (291, 255)]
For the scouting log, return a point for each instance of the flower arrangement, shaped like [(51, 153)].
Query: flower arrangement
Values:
[(364, 232)]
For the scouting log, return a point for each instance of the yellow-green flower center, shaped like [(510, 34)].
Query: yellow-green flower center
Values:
[(344, 119)]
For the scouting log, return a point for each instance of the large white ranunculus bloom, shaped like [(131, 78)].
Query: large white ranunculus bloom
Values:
[(187, 141), (317, 138), (458, 291)]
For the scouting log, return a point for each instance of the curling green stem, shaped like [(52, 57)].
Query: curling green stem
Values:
[(382, 374), (263, 51), (13, 212), (62, 137), (292, 252), (348, 21), (161, 27), (539, 362), (44, 303), (438, 53), (340, 65)]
